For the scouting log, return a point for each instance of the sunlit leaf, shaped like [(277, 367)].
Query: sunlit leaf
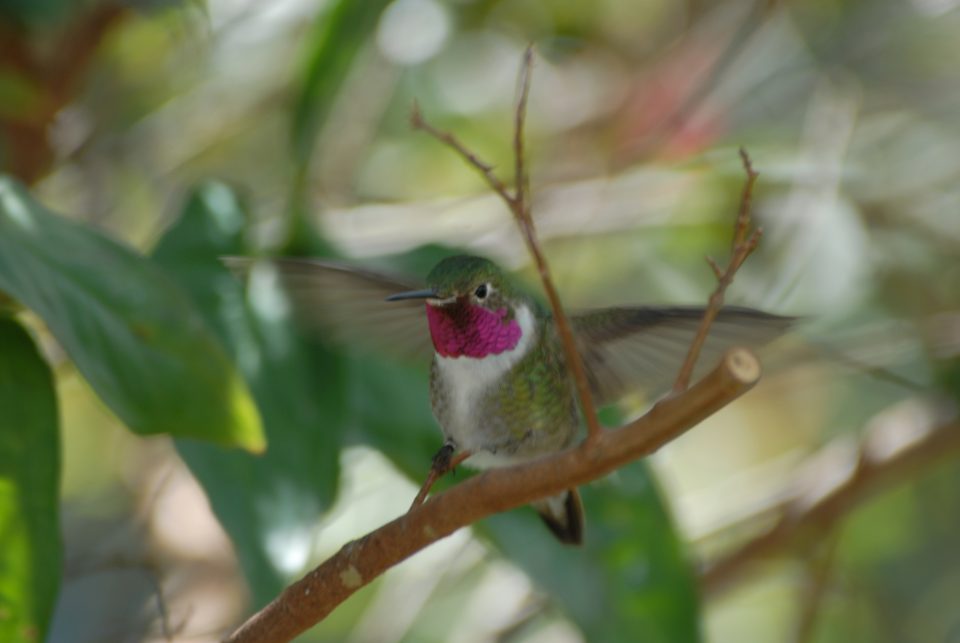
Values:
[(131, 332), (268, 504), (30, 552)]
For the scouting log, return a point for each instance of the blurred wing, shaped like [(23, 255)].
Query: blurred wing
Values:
[(344, 304), (631, 349)]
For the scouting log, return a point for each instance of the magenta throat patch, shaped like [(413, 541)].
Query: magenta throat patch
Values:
[(461, 329)]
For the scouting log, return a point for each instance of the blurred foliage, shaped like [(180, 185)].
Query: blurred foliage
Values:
[(171, 133), (269, 502), (631, 581), (136, 340), (29, 480)]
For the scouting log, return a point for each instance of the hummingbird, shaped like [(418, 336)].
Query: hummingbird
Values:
[(499, 385)]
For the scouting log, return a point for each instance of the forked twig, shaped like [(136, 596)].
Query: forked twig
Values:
[(744, 242), (519, 204), (417, 122)]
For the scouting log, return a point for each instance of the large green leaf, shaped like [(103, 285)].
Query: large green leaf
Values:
[(131, 332), (30, 553), (630, 581), (268, 504)]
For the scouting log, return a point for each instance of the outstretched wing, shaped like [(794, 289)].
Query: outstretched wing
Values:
[(632, 349), (347, 305)]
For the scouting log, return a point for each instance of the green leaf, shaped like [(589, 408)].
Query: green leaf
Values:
[(269, 504), (337, 37), (30, 552), (630, 582), (131, 332)]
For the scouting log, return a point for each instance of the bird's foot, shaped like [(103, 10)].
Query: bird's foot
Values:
[(443, 462)]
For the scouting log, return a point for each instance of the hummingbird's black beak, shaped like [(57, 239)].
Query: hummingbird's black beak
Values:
[(426, 293)]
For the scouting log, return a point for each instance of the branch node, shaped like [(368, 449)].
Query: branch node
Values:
[(716, 269), (416, 117), (742, 365)]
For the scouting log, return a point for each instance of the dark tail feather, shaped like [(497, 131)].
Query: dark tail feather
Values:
[(563, 515)]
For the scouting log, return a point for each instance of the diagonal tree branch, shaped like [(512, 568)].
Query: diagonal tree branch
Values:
[(310, 599)]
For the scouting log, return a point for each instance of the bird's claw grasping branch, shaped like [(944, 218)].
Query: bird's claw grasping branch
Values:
[(443, 462)]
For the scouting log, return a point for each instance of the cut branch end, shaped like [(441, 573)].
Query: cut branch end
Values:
[(742, 365)]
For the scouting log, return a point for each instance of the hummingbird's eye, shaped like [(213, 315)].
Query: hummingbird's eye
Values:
[(481, 291)]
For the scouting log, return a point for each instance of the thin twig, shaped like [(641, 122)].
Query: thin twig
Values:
[(818, 573), (310, 599), (746, 207), (521, 193), (519, 204), (417, 122), (522, 213), (743, 244)]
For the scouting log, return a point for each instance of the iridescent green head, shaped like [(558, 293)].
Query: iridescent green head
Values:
[(477, 277)]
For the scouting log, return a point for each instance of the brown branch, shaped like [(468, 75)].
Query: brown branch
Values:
[(417, 122), (310, 599), (519, 205), (818, 574), (740, 248), (890, 452)]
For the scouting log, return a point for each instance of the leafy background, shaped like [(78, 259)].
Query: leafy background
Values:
[(140, 382)]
